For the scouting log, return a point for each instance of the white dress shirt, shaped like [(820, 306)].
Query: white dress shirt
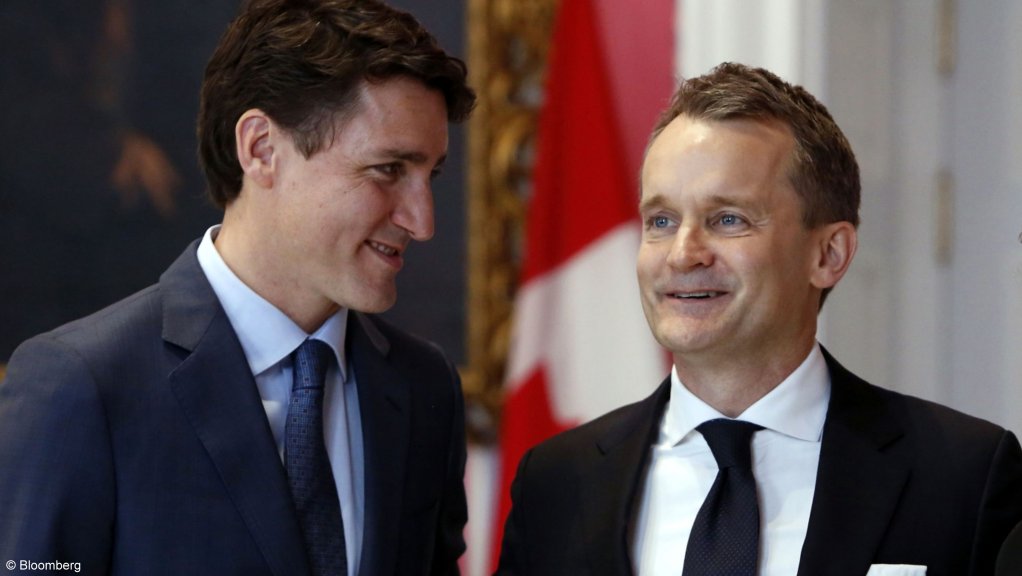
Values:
[(785, 457), (268, 337)]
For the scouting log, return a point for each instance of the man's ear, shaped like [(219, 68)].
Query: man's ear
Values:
[(253, 138), (837, 243)]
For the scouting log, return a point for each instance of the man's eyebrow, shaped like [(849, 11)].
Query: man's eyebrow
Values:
[(651, 202), (659, 200), (412, 156), (732, 200)]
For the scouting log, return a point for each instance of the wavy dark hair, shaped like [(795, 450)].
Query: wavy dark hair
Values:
[(302, 63)]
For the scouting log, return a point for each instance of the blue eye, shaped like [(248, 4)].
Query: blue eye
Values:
[(730, 220), (660, 221)]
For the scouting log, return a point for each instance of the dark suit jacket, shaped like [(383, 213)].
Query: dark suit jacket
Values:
[(1009, 561), (135, 442), (900, 481)]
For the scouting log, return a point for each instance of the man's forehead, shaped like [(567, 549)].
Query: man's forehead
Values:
[(380, 97), (703, 127), (399, 118), (686, 134)]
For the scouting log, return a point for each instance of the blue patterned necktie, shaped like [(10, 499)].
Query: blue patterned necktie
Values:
[(308, 466), (725, 535)]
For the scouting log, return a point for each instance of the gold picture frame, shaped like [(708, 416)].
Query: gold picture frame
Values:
[(507, 48)]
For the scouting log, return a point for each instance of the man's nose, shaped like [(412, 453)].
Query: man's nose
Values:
[(414, 212), (690, 249)]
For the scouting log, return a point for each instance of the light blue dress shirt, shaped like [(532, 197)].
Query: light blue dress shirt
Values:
[(268, 338)]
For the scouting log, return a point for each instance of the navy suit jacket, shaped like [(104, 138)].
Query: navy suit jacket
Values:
[(900, 481), (134, 441)]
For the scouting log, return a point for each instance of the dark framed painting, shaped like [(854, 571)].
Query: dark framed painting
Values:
[(99, 183)]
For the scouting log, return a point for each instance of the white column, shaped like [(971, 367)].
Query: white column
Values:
[(783, 36)]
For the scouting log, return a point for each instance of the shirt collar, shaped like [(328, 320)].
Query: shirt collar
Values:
[(797, 407), (266, 334)]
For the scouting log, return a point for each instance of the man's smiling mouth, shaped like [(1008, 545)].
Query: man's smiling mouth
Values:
[(695, 295), (383, 248)]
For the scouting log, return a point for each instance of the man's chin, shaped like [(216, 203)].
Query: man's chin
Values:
[(686, 342), (374, 303)]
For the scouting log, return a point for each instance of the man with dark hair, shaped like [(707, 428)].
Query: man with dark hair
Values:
[(247, 414), (760, 454)]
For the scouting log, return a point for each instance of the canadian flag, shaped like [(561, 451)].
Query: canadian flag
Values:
[(580, 344)]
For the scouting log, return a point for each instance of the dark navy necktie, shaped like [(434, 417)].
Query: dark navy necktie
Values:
[(308, 466), (725, 536)]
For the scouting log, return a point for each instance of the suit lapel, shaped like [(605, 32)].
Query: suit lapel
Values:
[(385, 403), (610, 488), (216, 391), (859, 481)]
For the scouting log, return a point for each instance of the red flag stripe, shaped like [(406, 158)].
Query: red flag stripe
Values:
[(579, 187)]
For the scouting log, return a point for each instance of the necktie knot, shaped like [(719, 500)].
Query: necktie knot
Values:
[(311, 361), (730, 441)]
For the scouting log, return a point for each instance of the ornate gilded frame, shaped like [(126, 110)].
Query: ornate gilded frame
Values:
[(507, 46)]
